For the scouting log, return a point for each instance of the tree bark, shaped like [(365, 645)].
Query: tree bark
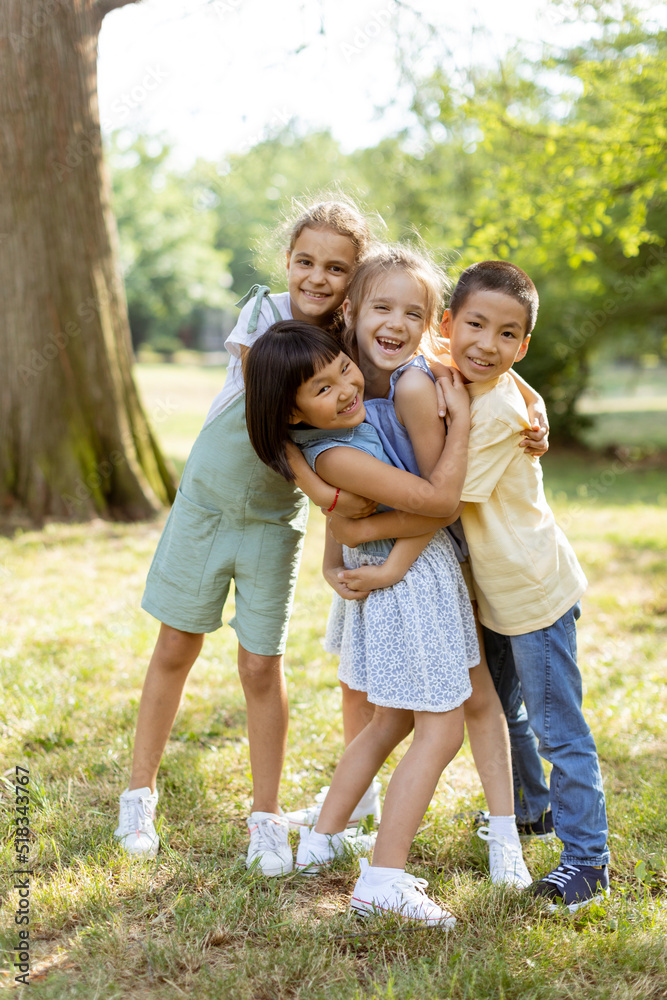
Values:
[(74, 442)]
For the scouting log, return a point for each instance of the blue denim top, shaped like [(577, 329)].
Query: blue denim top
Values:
[(397, 445), (363, 437)]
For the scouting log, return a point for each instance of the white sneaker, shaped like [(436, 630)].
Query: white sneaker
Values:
[(136, 823), (405, 896), (506, 862), (269, 844), (368, 805), (310, 859)]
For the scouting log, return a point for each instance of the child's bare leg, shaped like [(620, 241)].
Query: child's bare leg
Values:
[(489, 739), (437, 739), (361, 761), (265, 692), (357, 712), (168, 670), (490, 745)]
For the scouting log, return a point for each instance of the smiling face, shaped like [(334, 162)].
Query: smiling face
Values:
[(332, 398), (486, 336), (390, 323), (319, 268)]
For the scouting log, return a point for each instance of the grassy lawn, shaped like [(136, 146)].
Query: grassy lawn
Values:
[(73, 653)]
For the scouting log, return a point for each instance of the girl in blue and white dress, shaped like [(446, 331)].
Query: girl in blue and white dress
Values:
[(391, 306), (417, 672)]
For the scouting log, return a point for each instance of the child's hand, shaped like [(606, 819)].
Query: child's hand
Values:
[(455, 394), (346, 530), (536, 439), (440, 371), (332, 577), (363, 579), (351, 505)]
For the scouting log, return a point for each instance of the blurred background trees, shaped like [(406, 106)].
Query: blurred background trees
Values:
[(552, 158), (556, 162), (173, 265)]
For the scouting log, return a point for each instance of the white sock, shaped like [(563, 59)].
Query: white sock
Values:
[(504, 826), (376, 875), (321, 839)]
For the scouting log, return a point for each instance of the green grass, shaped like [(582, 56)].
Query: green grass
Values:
[(73, 653)]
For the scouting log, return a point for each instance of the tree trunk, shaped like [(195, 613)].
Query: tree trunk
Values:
[(74, 442)]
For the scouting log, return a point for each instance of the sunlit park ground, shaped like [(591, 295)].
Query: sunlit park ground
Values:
[(74, 647)]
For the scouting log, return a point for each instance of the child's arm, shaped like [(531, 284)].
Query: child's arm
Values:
[(416, 408), (438, 496), (332, 566), (392, 570), (321, 493), (387, 524), (535, 438)]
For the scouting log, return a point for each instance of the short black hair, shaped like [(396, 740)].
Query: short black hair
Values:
[(497, 276), (274, 368)]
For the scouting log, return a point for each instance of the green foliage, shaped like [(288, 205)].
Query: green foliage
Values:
[(568, 180), (559, 165), (171, 266), (556, 163), (250, 193)]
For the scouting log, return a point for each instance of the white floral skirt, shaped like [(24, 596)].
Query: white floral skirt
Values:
[(411, 645)]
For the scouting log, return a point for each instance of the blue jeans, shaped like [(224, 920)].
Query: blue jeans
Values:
[(545, 663), (531, 792)]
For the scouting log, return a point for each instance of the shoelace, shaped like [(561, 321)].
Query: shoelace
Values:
[(138, 814), (561, 876), (413, 888), (511, 851), (267, 833)]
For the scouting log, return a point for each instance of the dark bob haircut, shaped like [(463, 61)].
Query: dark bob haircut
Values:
[(497, 276), (274, 368)]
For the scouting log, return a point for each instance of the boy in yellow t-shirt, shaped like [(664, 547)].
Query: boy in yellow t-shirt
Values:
[(527, 577)]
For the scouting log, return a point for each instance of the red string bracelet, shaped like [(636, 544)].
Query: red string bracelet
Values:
[(329, 509)]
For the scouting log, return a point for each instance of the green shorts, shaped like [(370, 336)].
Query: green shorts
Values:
[(233, 518)]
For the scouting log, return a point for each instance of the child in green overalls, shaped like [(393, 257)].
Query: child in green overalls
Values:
[(234, 518)]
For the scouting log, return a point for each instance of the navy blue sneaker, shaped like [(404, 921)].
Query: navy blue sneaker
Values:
[(572, 886), (542, 828)]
